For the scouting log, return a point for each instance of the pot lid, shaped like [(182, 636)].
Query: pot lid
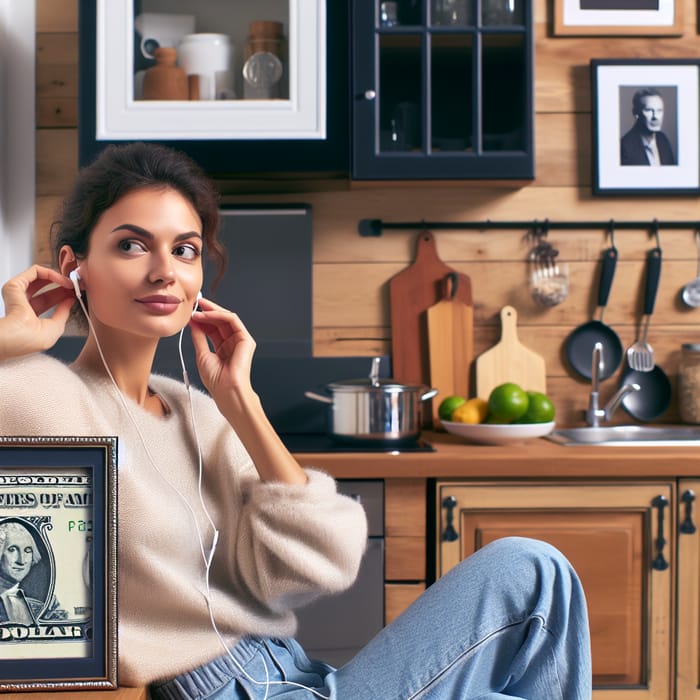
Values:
[(373, 382), (364, 385)]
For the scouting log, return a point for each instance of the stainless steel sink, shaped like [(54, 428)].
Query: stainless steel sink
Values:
[(664, 436)]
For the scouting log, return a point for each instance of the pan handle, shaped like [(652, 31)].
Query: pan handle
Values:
[(652, 281), (318, 397), (428, 394), (606, 275)]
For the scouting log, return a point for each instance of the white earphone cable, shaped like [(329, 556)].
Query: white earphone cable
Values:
[(207, 559)]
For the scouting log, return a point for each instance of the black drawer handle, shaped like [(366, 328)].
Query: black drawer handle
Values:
[(450, 534), (688, 526), (659, 562)]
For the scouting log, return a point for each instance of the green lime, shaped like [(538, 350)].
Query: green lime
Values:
[(448, 405), (507, 403), (540, 408)]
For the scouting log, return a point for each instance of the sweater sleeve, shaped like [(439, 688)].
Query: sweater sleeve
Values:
[(296, 542)]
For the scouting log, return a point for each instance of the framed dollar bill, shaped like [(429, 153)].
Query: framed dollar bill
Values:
[(58, 592)]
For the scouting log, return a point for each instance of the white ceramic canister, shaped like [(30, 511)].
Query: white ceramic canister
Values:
[(209, 57)]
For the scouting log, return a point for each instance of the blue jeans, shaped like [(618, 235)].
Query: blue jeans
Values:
[(508, 622)]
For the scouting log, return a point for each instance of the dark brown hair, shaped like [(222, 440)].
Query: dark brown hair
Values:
[(120, 169)]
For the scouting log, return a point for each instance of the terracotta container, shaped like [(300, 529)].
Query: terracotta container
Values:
[(165, 80)]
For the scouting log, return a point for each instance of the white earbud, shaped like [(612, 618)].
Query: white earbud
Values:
[(74, 277), (196, 303)]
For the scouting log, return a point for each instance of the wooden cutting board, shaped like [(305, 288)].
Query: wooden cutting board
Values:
[(450, 343), (411, 292), (509, 361)]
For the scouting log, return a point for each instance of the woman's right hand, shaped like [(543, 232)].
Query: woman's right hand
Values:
[(22, 330)]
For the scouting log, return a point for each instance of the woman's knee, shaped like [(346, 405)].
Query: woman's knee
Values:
[(522, 565), (514, 551)]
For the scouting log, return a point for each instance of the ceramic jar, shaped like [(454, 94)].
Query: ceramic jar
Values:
[(165, 80), (689, 383)]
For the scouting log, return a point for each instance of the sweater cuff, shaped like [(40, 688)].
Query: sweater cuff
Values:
[(319, 485)]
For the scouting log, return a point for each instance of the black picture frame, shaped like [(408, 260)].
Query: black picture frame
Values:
[(58, 563), (620, 89)]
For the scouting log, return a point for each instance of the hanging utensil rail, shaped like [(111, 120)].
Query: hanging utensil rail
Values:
[(374, 227)]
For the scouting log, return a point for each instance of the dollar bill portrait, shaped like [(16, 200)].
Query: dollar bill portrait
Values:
[(26, 575)]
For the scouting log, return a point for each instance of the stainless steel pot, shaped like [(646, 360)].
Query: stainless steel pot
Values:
[(374, 410)]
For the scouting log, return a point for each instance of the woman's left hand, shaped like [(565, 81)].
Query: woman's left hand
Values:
[(225, 366)]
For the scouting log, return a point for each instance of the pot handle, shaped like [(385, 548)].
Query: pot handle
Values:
[(429, 394), (317, 397)]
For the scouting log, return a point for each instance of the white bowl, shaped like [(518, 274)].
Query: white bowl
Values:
[(498, 434)]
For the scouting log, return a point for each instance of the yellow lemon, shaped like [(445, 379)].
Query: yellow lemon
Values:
[(471, 411)]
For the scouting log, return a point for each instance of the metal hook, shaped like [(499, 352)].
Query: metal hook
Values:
[(655, 233), (611, 233)]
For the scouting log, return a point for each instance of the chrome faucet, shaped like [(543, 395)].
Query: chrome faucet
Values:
[(594, 415)]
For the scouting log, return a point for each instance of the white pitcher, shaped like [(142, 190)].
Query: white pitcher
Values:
[(209, 57)]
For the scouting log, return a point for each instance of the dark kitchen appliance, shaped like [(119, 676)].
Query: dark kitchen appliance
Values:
[(335, 628)]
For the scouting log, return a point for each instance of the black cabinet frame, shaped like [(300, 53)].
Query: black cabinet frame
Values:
[(370, 162)]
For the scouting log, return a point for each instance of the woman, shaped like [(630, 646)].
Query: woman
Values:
[(211, 568)]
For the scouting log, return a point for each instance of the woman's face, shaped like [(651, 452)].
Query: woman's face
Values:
[(143, 268)]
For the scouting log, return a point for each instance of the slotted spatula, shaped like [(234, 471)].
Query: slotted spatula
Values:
[(640, 355)]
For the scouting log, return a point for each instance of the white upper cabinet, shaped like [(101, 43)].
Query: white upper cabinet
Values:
[(269, 82)]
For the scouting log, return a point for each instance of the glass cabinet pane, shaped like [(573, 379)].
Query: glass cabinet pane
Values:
[(400, 108), (226, 51), (451, 12), (408, 12), (451, 92), (504, 85), (502, 12)]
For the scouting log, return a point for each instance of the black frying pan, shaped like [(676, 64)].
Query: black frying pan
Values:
[(654, 394), (580, 342)]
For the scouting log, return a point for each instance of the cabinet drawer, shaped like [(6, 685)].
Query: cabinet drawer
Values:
[(398, 596), (405, 558)]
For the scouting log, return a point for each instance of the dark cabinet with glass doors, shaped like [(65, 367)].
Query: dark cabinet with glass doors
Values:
[(442, 89)]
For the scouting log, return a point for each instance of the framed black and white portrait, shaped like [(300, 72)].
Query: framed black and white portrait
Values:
[(645, 117), (618, 17), (58, 624)]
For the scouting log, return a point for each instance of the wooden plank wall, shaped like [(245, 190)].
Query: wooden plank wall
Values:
[(350, 303)]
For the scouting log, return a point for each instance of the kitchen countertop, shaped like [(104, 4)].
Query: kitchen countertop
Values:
[(454, 457)]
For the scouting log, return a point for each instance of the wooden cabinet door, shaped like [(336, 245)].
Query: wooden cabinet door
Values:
[(619, 538), (688, 637)]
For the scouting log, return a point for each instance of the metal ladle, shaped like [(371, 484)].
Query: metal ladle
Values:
[(691, 291)]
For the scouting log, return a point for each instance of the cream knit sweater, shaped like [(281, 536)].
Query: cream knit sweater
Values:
[(279, 545)]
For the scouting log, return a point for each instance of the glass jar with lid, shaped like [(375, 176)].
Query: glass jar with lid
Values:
[(689, 383)]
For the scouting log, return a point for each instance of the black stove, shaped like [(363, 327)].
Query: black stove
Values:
[(322, 442)]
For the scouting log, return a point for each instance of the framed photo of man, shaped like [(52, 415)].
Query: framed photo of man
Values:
[(58, 592), (618, 17), (646, 117)]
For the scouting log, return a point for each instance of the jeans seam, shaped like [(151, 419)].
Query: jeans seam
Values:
[(554, 658), (481, 641)]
